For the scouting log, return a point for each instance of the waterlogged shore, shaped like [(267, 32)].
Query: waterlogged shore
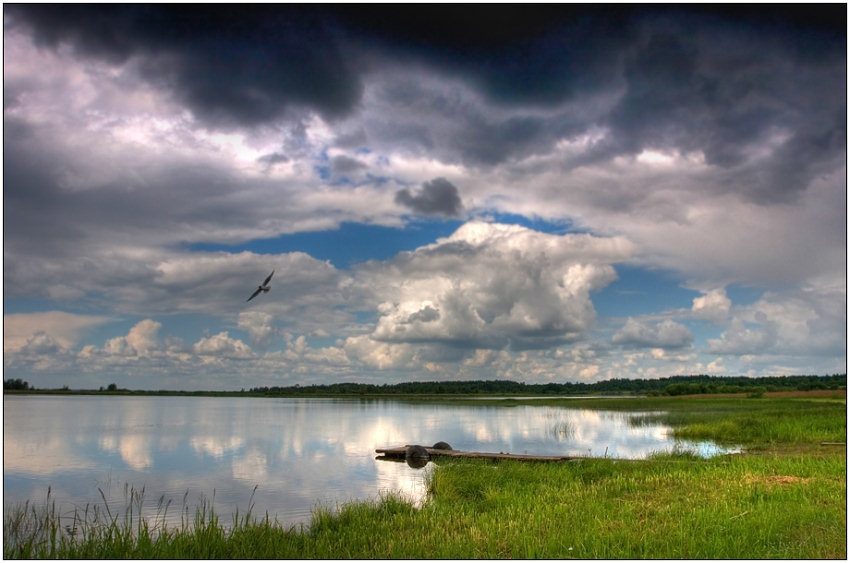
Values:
[(785, 498)]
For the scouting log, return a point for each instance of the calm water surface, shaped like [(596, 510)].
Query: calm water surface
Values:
[(298, 453)]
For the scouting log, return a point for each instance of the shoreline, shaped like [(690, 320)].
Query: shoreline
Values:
[(783, 498)]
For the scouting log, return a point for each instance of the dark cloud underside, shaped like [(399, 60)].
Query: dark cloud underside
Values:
[(228, 63), (437, 197), (249, 63)]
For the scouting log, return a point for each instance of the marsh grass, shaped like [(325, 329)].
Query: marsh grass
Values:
[(758, 422), (787, 502)]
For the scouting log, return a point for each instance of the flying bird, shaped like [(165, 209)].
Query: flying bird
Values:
[(263, 287)]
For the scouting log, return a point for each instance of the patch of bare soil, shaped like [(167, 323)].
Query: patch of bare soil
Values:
[(776, 480), (816, 393)]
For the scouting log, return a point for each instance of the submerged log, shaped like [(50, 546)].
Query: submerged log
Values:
[(417, 456), (400, 453)]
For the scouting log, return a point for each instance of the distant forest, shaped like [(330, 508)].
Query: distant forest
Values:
[(676, 385)]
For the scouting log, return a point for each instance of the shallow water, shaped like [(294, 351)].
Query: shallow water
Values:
[(297, 453)]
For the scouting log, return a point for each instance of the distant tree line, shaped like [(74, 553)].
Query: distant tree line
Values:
[(15, 385), (675, 385)]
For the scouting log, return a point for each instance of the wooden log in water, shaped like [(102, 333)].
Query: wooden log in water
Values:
[(398, 453)]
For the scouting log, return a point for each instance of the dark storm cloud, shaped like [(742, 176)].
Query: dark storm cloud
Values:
[(54, 233), (437, 197), (249, 62), (273, 158), (729, 91), (34, 209), (724, 81), (513, 54), (346, 165), (483, 142), (227, 63), (550, 53)]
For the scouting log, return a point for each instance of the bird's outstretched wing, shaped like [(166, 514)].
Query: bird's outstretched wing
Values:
[(263, 287)]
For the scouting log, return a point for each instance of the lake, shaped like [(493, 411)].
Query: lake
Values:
[(297, 453)]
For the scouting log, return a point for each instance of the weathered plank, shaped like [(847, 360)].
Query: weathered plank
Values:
[(398, 452)]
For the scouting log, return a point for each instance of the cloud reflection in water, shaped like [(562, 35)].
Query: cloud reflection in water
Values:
[(300, 453)]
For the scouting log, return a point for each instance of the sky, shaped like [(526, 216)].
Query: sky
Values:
[(542, 194)]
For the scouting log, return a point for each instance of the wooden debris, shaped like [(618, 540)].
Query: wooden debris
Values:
[(398, 453)]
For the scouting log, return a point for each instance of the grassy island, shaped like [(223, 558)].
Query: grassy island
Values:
[(783, 498)]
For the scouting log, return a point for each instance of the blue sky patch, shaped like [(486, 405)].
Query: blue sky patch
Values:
[(640, 291), (352, 243)]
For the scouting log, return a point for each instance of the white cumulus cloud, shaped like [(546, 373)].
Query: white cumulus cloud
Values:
[(811, 321), (665, 334), (259, 326), (714, 305), (64, 329), (742, 338), (221, 345), (491, 284)]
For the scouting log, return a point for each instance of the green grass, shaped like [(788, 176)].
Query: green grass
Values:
[(786, 501), (740, 507), (759, 423)]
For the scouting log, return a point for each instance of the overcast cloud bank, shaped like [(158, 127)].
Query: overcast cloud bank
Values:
[(702, 145)]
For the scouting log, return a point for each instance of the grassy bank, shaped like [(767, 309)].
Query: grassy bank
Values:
[(760, 423), (786, 501)]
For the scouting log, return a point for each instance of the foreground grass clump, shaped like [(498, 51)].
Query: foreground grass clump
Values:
[(787, 502), (740, 507), (754, 507)]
